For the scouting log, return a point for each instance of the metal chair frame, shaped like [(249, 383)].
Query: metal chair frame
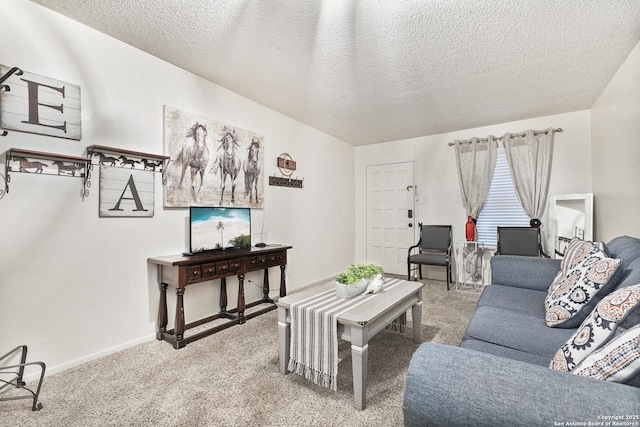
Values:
[(17, 381), (435, 251)]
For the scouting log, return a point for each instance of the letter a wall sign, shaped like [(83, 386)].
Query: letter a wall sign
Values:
[(126, 192), (41, 105)]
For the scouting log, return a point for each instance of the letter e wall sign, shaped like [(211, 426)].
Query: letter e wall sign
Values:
[(38, 104), (126, 192)]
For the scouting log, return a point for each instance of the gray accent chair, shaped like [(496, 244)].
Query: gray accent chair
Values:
[(521, 241), (499, 375), (434, 248)]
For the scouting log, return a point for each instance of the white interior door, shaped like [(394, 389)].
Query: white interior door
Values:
[(390, 215)]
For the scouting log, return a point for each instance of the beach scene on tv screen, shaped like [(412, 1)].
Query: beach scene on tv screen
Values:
[(219, 229)]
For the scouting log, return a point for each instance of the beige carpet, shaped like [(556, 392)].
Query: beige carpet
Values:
[(232, 378)]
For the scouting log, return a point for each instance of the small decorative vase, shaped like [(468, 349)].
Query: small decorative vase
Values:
[(470, 229)]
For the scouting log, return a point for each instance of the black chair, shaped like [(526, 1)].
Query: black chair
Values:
[(522, 241), (434, 249), (17, 373)]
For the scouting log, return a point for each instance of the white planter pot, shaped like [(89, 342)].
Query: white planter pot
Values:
[(350, 291)]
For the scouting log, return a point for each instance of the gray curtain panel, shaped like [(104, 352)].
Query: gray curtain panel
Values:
[(529, 158), (476, 162)]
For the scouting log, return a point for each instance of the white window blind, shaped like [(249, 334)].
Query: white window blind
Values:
[(502, 207)]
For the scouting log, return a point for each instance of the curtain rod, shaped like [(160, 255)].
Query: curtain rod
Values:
[(468, 141)]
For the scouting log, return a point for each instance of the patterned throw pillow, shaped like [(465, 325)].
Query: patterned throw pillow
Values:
[(586, 275), (576, 250), (598, 327), (617, 361)]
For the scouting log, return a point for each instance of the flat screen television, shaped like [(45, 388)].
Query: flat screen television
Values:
[(212, 229)]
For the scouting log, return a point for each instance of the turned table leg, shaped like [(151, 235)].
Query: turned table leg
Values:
[(265, 285), (162, 311), (223, 294), (283, 284), (241, 302), (179, 318)]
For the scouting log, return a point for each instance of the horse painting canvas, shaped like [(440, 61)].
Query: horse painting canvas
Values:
[(211, 163)]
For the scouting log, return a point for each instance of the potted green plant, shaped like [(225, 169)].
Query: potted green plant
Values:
[(354, 280)]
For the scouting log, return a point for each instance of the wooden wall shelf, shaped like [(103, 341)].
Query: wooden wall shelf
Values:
[(17, 160), (153, 160), (111, 156)]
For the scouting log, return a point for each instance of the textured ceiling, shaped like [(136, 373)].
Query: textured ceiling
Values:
[(370, 71)]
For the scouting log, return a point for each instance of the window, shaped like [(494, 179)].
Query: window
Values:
[(502, 207)]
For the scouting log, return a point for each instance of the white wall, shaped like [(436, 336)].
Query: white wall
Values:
[(436, 176), (74, 286), (615, 131)]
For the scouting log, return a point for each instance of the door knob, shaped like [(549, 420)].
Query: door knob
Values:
[(410, 225)]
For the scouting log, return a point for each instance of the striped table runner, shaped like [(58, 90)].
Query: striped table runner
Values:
[(314, 334)]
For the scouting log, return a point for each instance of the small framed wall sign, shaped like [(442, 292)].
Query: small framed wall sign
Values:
[(287, 166), (126, 192), (41, 105)]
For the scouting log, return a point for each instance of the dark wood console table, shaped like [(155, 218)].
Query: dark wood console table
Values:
[(182, 271)]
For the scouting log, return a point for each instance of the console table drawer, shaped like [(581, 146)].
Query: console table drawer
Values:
[(213, 270), (235, 265), (222, 268), (265, 261), (261, 261), (278, 258), (252, 263), (209, 270), (194, 272)]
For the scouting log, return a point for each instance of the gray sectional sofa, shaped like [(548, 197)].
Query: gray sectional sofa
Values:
[(500, 375)]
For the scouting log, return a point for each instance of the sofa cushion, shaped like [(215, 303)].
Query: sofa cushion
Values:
[(625, 248), (598, 328), (617, 361), (585, 277), (517, 331), (509, 353), (524, 271), (518, 300)]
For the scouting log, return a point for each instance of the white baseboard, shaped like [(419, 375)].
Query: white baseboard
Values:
[(308, 285), (52, 370)]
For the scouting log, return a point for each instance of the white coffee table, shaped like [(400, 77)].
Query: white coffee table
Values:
[(357, 325)]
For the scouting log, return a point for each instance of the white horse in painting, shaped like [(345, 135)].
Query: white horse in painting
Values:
[(194, 155)]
